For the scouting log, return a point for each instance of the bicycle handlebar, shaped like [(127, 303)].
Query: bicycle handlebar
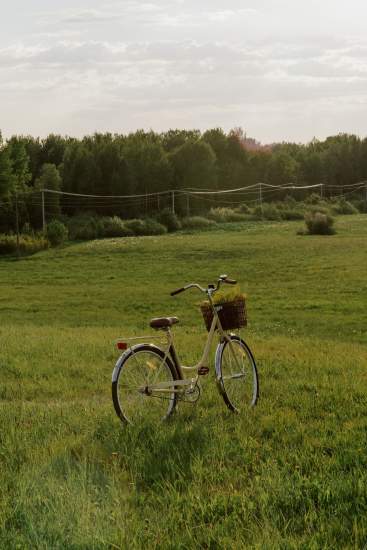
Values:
[(212, 288), (174, 292)]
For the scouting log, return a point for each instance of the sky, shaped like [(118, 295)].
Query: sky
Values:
[(283, 70)]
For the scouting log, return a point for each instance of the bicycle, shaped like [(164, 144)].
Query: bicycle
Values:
[(148, 381)]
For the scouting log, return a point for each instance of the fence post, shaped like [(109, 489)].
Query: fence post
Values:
[(187, 205), (261, 199), (43, 213), (17, 221), (173, 202)]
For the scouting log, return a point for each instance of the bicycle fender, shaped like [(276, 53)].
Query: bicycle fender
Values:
[(118, 365), (218, 356)]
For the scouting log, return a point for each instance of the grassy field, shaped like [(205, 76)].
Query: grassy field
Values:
[(290, 474)]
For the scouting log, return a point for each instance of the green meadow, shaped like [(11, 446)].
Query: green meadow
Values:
[(292, 473)]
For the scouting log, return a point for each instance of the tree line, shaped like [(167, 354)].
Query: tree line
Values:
[(142, 163)]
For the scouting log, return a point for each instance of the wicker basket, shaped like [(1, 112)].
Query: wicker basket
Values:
[(231, 314)]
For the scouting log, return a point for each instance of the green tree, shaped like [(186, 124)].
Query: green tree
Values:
[(282, 168), (342, 160), (20, 164), (53, 149), (6, 174), (21, 175), (148, 167), (363, 160), (173, 139), (33, 149), (50, 179), (194, 166)]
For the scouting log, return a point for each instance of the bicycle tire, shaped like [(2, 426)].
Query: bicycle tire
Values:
[(237, 387), (138, 367)]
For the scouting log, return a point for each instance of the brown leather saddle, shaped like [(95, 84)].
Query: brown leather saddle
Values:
[(163, 322)]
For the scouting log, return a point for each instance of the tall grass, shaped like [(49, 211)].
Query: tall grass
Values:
[(290, 474)]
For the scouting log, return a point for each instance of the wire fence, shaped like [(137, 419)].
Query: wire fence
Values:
[(185, 202)]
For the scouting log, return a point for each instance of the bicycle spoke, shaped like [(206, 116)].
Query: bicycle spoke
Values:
[(136, 397), (238, 375)]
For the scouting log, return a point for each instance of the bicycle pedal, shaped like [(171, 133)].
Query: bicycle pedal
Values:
[(202, 371)]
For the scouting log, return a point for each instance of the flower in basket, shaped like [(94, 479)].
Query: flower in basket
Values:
[(232, 313)]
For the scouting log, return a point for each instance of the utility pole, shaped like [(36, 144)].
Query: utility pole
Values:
[(261, 198), (17, 221), (43, 213), (173, 202)]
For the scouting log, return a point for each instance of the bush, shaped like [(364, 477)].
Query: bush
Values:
[(57, 233), (319, 223), (85, 228), (197, 222), (267, 212), (145, 227), (314, 198), (290, 201), (152, 227), (27, 244), (224, 215), (243, 209), (323, 209), (290, 214), (114, 227), (135, 226), (342, 206), (361, 205), (169, 219)]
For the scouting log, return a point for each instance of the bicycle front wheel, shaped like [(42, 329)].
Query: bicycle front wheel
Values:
[(136, 394), (237, 376)]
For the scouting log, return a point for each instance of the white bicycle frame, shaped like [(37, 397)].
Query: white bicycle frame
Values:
[(183, 384)]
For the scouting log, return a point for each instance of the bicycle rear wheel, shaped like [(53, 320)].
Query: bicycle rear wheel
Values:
[(135, 375), (237, 376)]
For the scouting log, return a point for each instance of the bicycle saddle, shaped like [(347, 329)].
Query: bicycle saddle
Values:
[(163, 322)]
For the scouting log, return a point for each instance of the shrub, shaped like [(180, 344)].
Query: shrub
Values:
[(145, 227), (267, 212), (290, 201), (223, 215), (361, 205), (243, 209), (135, 226), (8, 244), (314, 198), (169, 219), (57, 233), (85, 228), (27, 244), (152, 227), (342, 206), (114, 227), (291, 214), (319, 223), (323, 209), (197, 222)]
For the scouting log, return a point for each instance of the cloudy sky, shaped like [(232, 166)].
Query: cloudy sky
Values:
[(281, 69)]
